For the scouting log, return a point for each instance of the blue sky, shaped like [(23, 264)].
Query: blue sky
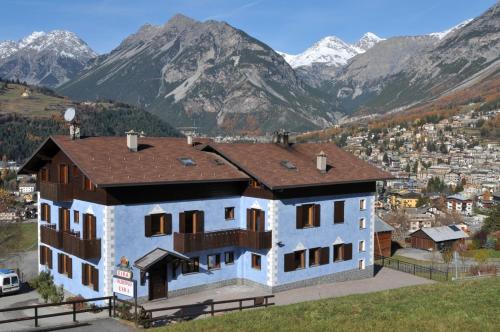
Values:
[(289, 26)]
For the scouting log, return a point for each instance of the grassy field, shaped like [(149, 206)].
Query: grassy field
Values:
[(17, 237), (459, 306), (37, 104), (491, 252)]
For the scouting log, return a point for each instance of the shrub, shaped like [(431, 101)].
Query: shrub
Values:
[(44, 284), (481, 256)]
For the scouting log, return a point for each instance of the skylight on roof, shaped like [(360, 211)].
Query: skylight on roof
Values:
[(218, 162), (187, 161), (288, 164), (455, 228)]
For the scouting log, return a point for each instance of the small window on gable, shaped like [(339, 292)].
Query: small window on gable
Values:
[(362, 204), (74, 170), (186, 161), (361, 264), (76, 217), (254, 184), (229, 213)]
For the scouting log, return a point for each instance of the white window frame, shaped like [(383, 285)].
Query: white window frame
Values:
[(362, 223), (362, 204), (362, 246), (362, 263)]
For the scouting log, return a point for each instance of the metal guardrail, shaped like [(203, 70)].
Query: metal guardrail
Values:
[(415, 269)]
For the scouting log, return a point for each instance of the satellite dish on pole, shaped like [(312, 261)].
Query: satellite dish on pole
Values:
[(69, 115)]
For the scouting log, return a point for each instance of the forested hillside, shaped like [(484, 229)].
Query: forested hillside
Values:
[(26, 121)]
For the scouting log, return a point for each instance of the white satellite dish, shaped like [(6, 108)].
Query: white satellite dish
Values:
[(69, 115)]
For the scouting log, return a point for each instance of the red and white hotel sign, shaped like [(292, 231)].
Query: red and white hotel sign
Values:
[(127, 274), (123, 286)]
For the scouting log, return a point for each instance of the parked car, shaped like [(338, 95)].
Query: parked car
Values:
[(9, 281)]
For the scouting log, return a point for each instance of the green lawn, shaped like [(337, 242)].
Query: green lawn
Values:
[(459, 306), (491, 252), (17, 237)]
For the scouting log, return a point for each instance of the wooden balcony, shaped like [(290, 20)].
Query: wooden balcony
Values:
[(70, 243), (56, 192), (50, 236), (85, 249), (189, 242)]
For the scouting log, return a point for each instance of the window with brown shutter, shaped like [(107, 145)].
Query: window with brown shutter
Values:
[(338, 252), (325, 256), (295, 260), (49, 258), (63, 174), (64, 220), (95, 279), (64, 265), (44, 255), (45, 212), (308, 215), (347, 251), (314, 256), (192, 222), (158, 224), (338, 214), (85, 279), (87, 184), (289, 262), (256, 220), (89, 227), (256, 262), (90, 276)]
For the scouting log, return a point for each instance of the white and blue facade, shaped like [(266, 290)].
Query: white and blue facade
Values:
[(120, 228)]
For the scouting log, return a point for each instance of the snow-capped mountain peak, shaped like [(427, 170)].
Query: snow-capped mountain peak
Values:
[(42, 52), (368, 40), (442, 34), (332, 51)]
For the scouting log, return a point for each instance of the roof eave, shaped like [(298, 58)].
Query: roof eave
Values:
[(159, 183)]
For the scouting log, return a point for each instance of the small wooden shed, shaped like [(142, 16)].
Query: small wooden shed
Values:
[(382, 238), (437, 238)]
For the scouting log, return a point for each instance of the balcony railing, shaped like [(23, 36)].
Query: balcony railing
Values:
[(50, 236), (189, 242), (57, 192), (85, 249), (70, 243)]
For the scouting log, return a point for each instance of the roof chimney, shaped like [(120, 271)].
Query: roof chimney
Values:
[(281, 137), (132, 140), (74, 131), (321, 162), (189, 139)]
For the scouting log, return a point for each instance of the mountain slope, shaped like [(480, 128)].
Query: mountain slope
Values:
[(47, 59), (402, 71), (26, 121), (206, 74)]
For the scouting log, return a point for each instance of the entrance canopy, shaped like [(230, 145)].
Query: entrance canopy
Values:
[(155, 256)]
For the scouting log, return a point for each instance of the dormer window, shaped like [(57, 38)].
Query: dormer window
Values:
[(187, 161)]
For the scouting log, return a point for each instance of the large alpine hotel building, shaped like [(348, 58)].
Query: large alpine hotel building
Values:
[(195, 215)]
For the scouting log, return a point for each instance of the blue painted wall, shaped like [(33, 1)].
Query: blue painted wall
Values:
[(131, 242)]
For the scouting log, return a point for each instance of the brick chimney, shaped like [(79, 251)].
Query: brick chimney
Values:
[(132, 140)]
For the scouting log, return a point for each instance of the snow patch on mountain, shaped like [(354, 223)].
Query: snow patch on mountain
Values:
[(332, 51), (442, 34)]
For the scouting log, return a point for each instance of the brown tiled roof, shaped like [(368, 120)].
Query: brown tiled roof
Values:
[(265, 163), (108, 162)]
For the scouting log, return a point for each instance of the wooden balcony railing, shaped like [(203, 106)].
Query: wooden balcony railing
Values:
[(85, 249), (50, 236), (189, 242), (70, 243), (57, 192)]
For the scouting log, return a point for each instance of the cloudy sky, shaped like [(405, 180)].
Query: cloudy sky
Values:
[(285, 25)]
